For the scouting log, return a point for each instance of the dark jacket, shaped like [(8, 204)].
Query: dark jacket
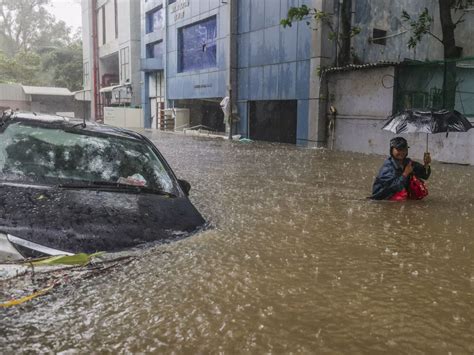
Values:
[(390, 179)]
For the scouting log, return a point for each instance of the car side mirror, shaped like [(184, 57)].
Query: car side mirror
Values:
[(186, 186)]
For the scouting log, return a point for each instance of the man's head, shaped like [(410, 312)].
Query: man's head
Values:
[(399, 148)]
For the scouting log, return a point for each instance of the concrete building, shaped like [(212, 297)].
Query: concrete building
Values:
[(196, 52), (185, 59), (52, 100), (396, 77), (111, 53)]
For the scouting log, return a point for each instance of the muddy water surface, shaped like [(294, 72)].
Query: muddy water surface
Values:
[(298, 260)]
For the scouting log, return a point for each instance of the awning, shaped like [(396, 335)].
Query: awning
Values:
[(110, 88), (82, 95), (43, 90)]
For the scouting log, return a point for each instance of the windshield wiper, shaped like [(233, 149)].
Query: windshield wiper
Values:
[(113, 186)]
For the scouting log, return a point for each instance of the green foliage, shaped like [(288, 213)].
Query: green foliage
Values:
[(35, 48), (342, 38), (355, 31), (296, 14), (422, 24), (26, 25), (419, 26), (302, 12), (65, 66), (22, 68)]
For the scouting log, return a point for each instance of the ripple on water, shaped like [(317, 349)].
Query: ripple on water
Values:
[(298, 260)]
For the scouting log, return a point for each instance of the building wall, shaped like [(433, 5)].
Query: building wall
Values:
[(363, 100), (205, 83), (149, 85), (274, 63), (387, 15), (52, 104), (128, 36)]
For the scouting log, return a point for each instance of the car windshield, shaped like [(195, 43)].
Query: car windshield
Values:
[(36, 154)]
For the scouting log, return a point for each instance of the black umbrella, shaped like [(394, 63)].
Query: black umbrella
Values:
[(430, 122)]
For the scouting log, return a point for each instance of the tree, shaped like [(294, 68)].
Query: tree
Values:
[(342, 37), (27, 24), (65, 66), (22, 68), (421, 26), (38, 49)]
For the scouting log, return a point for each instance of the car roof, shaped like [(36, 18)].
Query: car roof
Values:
[(62, 122)]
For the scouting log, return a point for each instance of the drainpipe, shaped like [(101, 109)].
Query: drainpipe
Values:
[(165, 56), (95, 61), (231, 91)]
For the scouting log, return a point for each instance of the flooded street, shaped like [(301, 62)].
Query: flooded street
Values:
[(298, 260)]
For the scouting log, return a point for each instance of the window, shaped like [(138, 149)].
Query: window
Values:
[(116, 18), (32, 153), (197, 45), (104, 28), (378, 37), (155, 20), (86, 74), (154, 50), (124, 64)]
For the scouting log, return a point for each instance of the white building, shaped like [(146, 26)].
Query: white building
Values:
[(111, 53)]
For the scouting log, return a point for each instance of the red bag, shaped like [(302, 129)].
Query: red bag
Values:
[(417, 189), (400, 196)]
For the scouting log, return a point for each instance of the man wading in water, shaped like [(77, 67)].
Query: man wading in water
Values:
[(398, 178)]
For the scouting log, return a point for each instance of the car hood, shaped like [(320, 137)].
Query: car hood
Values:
[(75, 220)]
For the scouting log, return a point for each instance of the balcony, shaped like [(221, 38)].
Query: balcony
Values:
[(151, 64)]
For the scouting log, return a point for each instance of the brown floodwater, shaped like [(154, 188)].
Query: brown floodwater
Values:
[(297, 260)]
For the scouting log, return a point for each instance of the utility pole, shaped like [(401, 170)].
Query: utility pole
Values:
[(231, 75)]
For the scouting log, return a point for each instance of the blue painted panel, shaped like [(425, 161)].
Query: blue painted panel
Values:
[(146, 100), (257, 15), (244, 16), (285, 5), (172, 64), (304, 41), (272, 13), (289, 42), (302, 79), (222, 53), (172, 38), (270, 82), (243, 123), (223, 23), (288, 81), (302, 122), (243, 50), (256, 83), (271, 45), (188, 83), (194, 7), (308, 3), (173, 89), (243, 84), (221, 84), (180, 87), (256, 48), (203, 6), (214, 4), (208, 84)]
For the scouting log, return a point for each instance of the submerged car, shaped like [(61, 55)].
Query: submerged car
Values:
[(67, 186)]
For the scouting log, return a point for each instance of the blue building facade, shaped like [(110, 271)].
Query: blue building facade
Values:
[(273, 72), (195, 51)]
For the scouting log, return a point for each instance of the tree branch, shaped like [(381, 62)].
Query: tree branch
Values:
[(436, 37)]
